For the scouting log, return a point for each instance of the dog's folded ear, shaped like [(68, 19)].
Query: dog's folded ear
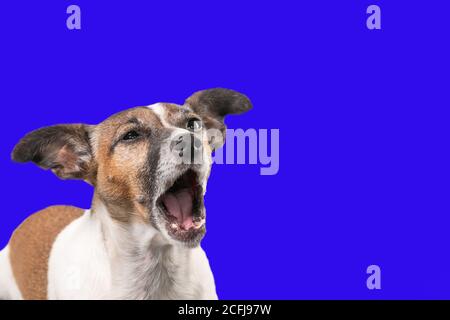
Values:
[(65, 149), (214, 104)]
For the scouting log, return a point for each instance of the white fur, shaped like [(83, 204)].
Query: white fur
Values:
[(78, 264), (8, 286), (97, 258), (158, 109)]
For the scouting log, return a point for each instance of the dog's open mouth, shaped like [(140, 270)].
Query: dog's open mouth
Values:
[(182, 205)]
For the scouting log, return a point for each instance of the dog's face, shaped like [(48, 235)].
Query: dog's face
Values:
[(148, 164)]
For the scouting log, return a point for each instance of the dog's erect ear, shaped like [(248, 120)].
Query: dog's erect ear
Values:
[(214, 104), (65, 149)]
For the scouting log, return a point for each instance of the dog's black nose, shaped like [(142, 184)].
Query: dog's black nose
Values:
[(186, 145)]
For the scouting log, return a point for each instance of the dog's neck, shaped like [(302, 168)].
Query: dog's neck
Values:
[(144, 265)]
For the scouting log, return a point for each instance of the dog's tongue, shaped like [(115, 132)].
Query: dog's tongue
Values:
[(179, 205)]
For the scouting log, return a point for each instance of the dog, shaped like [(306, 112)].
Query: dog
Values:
[(149, 167)]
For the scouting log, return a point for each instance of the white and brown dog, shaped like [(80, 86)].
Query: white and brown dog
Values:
[(141, 238)]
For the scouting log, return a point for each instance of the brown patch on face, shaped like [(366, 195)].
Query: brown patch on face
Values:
[(122, 163), (177, 115), (30, 248)]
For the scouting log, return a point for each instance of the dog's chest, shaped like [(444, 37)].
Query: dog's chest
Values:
[(159, 273), (84, 265)]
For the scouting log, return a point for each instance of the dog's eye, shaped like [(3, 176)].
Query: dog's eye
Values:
[(194, 124), (131, 135)]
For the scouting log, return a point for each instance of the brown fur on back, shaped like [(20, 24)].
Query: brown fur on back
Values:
[(30, 248)]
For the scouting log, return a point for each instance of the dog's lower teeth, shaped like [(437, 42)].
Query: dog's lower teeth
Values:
[(198, 224), (174, 226)]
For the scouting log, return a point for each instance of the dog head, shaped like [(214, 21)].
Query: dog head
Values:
[(147, 164)]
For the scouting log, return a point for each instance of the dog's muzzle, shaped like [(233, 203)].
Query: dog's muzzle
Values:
[(183, 209)]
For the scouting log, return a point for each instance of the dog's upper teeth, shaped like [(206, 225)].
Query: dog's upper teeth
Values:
[(174, 226)]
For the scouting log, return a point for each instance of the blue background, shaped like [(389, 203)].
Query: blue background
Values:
[(363, 119)]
